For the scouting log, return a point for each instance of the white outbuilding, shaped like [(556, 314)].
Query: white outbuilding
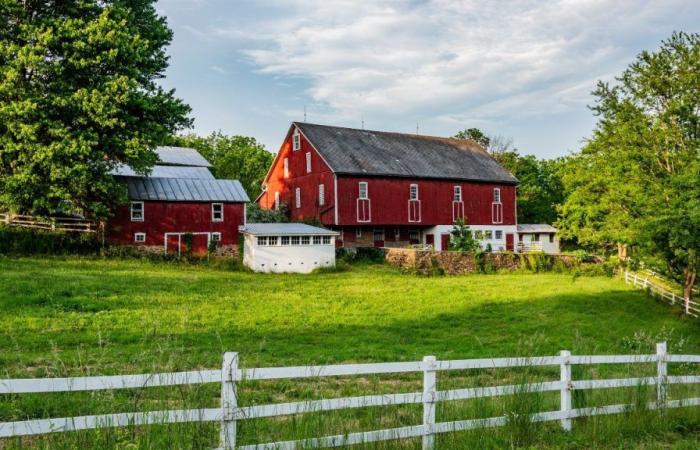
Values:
[(537, 237), (287, 247)]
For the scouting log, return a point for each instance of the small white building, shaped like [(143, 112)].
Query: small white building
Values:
[(287, 247), (537, 238)]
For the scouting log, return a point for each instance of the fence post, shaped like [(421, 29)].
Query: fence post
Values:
[(229, 401), (429, 399), (673, 298), (661, 373), (565, 388), (687, 304)]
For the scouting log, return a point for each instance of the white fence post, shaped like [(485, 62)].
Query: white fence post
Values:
[(565, 389), (687, 304), (429, 399), (661, 373), (229, 401)]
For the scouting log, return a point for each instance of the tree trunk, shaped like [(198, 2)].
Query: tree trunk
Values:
[(621, 251), (689, 283)]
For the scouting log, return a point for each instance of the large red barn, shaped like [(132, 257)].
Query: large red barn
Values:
[(391, 189), (180, 197)]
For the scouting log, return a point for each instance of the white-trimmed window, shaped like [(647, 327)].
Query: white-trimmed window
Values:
[(297, 197), (536, 237), (308, 162), (296, 140), (317, 240), (363, 190), (305, 240), (217, 212), (478, 235), (358, 232), (285, 240), (295, 240), (457, 197), (137, 212), (272, 240), (277, 200), (414, 235), (326, 240), (488, 234), (321, 195), (262, 241), (286, 167), (378, 234), (499, 235), (139, 237), (496, 195), (413, 192), (216, 237)]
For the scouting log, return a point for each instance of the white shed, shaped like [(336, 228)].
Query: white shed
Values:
[(287, 247), (537, 237)]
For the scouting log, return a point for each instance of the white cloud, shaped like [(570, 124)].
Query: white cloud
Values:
[(451, 60)]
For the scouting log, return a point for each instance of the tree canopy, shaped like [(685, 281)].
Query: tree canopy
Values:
[(637, 181), (235, 157), (78, 95)]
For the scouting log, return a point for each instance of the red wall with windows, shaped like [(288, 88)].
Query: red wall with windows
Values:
[(175, 217), (298, 177), (389, 201)]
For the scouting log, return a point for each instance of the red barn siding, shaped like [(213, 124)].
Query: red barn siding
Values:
[(389, 201), (299, 178), (175, 217)]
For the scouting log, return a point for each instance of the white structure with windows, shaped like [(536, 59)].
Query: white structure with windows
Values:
[(537, 237), (494, 235), (287, 247)]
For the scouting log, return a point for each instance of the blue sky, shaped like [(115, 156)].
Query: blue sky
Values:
[(520, 69)]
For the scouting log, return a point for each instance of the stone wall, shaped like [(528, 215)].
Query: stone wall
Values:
[(453, 263)]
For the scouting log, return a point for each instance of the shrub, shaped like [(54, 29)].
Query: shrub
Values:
[(25, 241)]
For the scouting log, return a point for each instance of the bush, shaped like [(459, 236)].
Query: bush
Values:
[(360, 255), (25, 241)]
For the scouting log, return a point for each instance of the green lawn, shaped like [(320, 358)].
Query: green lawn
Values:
[(62, 317)]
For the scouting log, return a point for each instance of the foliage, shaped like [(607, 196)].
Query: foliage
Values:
[(256, 214), (24, 241), (637, 181), (232, 157), (369, 255), (79, 95), (474, 134), (461, 238)]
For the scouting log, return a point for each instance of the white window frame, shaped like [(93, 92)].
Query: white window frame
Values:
[(498, 235), (457, 194), (143, 212), (286, 167), (296, 140), (488, 235), (213, 213), (273, 240), (327, 240), (262, 241), (306, 240), (497, 195), (316, 240), (365, 185), (297, 197), (308, 162), (411, 189), (140, 237), (296, 240), (277, 200), (285, 240), (216, 236), (321, 194)]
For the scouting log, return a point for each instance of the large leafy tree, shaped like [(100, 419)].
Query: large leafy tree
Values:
[(237, 157), (78, 95), (637, 181)]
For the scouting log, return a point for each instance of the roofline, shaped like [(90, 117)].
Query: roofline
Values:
[(471, 180), (324, 232)]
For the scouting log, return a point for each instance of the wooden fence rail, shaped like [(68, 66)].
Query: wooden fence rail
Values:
[(66, 224), (230, 413), (690, 307)]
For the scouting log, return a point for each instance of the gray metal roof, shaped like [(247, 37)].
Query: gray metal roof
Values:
[(185, 190), (284, 229), (159, 171), (536, 228), (181, 156), (365, 152)]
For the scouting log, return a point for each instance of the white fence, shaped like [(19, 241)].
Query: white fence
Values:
[(230, 413), (67, 224), (689, 307)]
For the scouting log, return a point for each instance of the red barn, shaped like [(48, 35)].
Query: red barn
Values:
[(180, 197), (391, 189)]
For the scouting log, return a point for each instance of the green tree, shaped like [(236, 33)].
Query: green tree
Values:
[(461, 238), (637, 181), (235, 157), (78, 95), (256, 214), (474, 134)]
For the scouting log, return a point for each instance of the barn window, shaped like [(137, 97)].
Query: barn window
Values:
[(358, 232), (262, 241), (496, 195), (488, 234), (296, 140), (137, 211), (362, 185), (297, 197), (305, 240), (216, 237), (379, 234), (413, 192), (286, 167), (285, 240), (321, 195), (308, 162), (140, 237), (499, 234), (317, 240), (295, 240), (457, 194), (478, 235), (277, 200), (414, 235), (272, 240), (326, 240), (217, 212)]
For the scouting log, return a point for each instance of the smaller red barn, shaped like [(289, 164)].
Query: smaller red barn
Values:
[(180, 200)]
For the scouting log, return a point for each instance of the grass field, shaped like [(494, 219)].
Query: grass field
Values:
[(65, 317)]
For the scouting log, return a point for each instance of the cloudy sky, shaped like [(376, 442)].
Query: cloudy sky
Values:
[(521, 69)]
